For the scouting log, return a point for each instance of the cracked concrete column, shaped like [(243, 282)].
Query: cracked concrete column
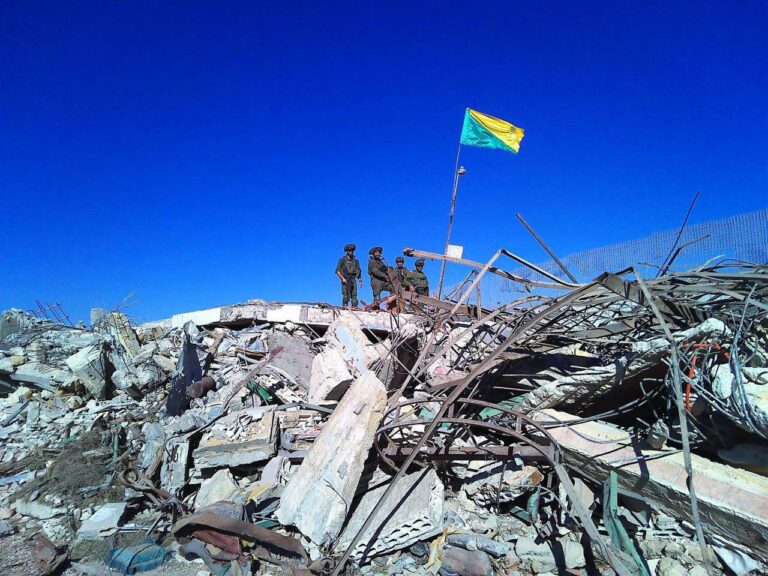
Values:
[(319, 494)]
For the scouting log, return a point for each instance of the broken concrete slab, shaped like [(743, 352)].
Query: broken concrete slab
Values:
[(413, 512), (318, 316), (221, 486), (38, 510), (733, 502), (296, 357), (317, 497), (237, 439), (90, 367), (173, 472), (346, 334), (330, 376), (41, 375), (102, 522)]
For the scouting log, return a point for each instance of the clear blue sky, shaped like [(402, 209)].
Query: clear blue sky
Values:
[(204, 153)]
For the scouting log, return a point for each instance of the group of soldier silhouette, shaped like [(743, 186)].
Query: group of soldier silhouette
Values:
[(384, 278)]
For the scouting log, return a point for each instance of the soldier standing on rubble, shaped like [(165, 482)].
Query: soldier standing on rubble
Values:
[(401, 271), (377, 270), (418, 279), (349, 272)]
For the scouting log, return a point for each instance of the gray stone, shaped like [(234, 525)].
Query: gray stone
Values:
[(103, 521), (574, 554), (673, 550), (166, 364), (670, 567), (6, 528), (145, 353), (476, 542), (296, 357), (738, 562), (152, 451), (38, 510), (220, 486), (540, 556), (119, 327), (658, 435), (652, 548), (465, 562)]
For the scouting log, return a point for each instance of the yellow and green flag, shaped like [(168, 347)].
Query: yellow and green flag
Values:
[(490, 132)]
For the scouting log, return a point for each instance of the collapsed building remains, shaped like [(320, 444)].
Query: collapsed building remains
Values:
[(612, 426)]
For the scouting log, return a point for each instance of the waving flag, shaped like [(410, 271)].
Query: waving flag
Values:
[(490, 132)]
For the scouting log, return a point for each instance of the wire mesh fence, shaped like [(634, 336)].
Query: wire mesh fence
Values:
[(743, 237)]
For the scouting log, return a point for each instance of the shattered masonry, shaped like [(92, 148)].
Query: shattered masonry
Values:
[(617, 425)]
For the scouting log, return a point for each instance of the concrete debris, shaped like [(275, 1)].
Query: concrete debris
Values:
[(221, 486), (456, 560), (413, 514), (554, 434), (103, 522), (318, 496)]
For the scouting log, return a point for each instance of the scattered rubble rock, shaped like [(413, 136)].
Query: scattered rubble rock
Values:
[(263, 437)]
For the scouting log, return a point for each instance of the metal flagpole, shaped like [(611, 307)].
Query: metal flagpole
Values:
[(457, 172)]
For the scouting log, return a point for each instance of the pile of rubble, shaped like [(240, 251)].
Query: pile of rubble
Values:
[(617, 426)]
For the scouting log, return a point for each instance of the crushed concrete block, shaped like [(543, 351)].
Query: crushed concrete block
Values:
[(483, 486), (90, 367), (104, 520), (145, 353), (330, 377), (413, 512), (317, 497), (240, 438), (8, 363), (173, 472), (220, 486)]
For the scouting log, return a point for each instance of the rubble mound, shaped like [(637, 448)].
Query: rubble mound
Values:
[(613, 426)]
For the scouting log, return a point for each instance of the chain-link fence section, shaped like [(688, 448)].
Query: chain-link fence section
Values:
[(743, 237)]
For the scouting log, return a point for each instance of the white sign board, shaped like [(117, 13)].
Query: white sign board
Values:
[(454, 251)]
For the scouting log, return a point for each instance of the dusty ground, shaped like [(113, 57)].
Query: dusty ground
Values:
[(16, 560)]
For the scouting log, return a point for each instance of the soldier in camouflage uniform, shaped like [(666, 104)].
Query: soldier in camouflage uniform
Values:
[(418, 280), (400, 270), (377, 270), (349, 272)]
